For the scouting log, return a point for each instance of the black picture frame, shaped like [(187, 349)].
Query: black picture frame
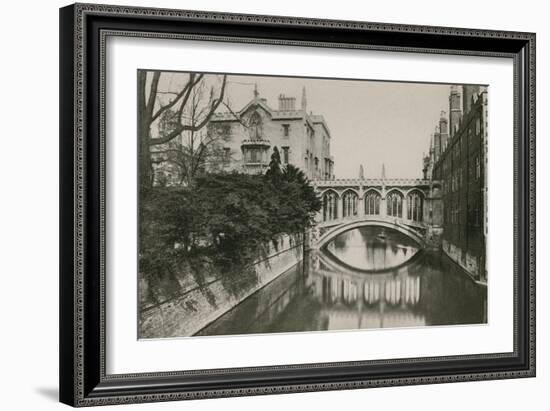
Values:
[(83, 29)]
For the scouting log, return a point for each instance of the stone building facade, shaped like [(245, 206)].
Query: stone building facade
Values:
[(248, 137), (458, 161)]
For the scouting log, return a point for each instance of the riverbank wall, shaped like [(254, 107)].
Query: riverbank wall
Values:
[(198, 306), (472, 265)]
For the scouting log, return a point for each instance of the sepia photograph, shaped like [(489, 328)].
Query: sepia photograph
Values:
[(272, 204), (263, 204)]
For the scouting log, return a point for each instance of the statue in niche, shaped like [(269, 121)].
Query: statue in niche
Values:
[(255, 126)]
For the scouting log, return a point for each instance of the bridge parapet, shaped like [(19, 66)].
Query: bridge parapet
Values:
[(388, 182), (388, 219)]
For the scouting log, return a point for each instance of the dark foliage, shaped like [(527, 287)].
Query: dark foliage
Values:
[(220, 222)]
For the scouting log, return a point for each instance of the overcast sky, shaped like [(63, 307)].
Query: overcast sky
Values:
[(371, 122)]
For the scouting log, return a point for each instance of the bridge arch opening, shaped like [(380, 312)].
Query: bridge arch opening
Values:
[(332, 233)]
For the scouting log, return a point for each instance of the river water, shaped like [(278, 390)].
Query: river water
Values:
[(368, 277)]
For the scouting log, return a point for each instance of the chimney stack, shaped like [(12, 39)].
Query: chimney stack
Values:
[(287, 103)]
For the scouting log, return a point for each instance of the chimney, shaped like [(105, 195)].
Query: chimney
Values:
[(455, 109), (287, 103), (304, 99)]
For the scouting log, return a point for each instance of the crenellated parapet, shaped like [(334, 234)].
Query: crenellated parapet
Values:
[(373, 182)]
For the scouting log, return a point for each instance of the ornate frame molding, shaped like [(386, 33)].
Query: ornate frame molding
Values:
[(82, 313)]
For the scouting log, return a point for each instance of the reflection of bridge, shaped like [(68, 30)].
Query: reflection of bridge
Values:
[(410, 206), (358, 300)]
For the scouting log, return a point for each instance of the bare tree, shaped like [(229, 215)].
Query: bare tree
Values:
[(191, 110), (198, 149)]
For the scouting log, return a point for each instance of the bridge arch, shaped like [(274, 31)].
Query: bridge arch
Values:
[(418, 190), (396, 190), (325, 191), (353, 190), (373, 189), (378, 222)]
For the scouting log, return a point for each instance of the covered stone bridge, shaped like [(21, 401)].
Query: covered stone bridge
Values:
[(411, 206)]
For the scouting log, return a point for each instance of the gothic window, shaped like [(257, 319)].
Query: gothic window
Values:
[(253, 155), (330, 206), (349, 204), (226, 155), (372, 203), (286, 130), (415, 206), (285, 155), (394, 202)]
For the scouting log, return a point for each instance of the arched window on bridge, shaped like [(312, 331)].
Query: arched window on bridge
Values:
[(372, 203), (349, 203), (415, 206), (330, 206), (394, 202)]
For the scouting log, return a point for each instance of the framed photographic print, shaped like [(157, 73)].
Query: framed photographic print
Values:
[(262, 204)]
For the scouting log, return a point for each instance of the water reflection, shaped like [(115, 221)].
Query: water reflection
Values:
[(326, 292), (372, 248)]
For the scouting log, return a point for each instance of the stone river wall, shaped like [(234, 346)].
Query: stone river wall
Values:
[(197, 307), (469, 263)]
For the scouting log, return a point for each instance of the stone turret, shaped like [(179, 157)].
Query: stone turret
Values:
[(468, 91), (443, 130), (455, 109)]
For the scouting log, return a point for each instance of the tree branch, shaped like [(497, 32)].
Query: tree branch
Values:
[(185, 91), (237, 117), (181, 127), (186, 98), (153, 93)]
